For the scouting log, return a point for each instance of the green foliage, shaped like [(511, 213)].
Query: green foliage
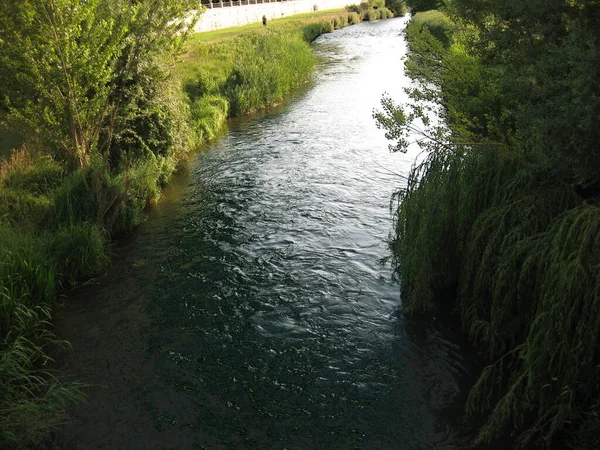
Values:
[(376, 4), (71, 68), (499, 215), (386, 13), (397, 7), (42, 175), (371, 14), (353, 18), (427, 25), (424, 5), (33, 403), (325, 27), (266, 68), (353, 8), (23, 207), (208, 115), (77, 250), (59, 60), (551, 48)]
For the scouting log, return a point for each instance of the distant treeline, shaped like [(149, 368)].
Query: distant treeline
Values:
[(501, 220)]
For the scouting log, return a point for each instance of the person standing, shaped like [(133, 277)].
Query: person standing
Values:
[(264, 19)]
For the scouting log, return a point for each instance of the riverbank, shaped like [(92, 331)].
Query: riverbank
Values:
[(60, 208), (504, 210)]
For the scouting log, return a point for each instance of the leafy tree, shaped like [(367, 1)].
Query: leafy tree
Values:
[(70, 69), (58, 61)]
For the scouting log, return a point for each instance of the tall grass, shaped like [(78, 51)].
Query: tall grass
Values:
[(267, 67), (515, 252), (32, 402)]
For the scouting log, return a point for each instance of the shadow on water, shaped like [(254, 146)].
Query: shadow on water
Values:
[(250, 310)]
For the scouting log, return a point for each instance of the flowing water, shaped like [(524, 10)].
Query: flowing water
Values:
[(251, 309)]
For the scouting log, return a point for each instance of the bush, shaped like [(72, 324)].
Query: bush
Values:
[(24, 208), (376, 4), (353, 18), (327, 27), (398, 7), (371, 14), (386, 13), (267, 66), (353, 8), (437, 23)]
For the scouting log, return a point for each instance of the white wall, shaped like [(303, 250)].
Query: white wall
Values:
[(217, 18)]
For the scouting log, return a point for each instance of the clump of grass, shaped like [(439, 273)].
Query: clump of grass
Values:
[(208, 115), (267, 67), (35, 173), (32, 402), (78, 250), (353, 18)]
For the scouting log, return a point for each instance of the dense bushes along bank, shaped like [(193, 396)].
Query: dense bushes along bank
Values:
[(504, 211), (106, 120)]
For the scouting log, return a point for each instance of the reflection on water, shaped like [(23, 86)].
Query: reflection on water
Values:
[(251, 309)]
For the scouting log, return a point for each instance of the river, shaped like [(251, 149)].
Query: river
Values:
[(251, 309)]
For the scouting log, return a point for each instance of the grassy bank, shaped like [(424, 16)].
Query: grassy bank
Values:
[(504, 211), (92, 160)]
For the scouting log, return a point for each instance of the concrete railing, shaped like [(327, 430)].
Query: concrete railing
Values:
[(220, 14), (220, 4)]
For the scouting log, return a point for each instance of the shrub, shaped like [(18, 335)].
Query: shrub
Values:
[(371, 14), (353, 18), (386, 13), (326, 27), (266, 67), (398, 7), (353, 8), (437, 23), (24, 208)]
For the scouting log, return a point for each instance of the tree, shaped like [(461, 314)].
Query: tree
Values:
[(58, 62), (69, 67)]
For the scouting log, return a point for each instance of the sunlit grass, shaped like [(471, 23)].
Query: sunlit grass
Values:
[(291, 22)]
